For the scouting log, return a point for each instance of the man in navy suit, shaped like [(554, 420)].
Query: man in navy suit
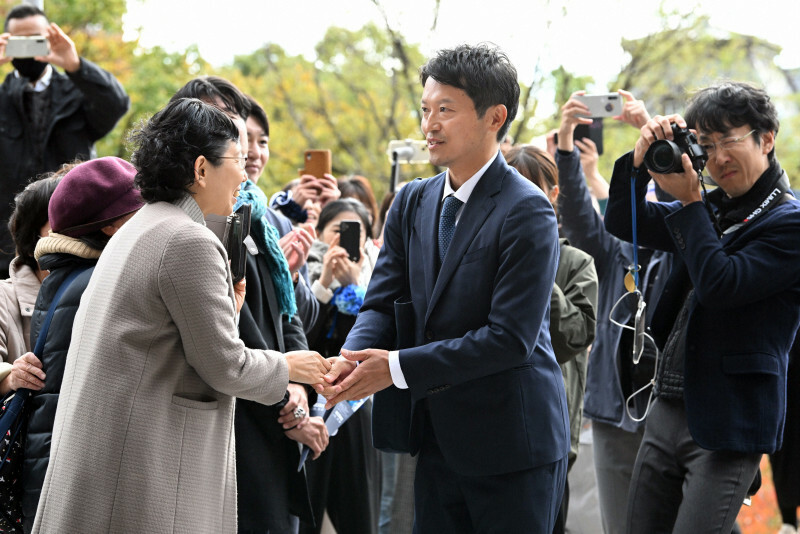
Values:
[(485, 394)]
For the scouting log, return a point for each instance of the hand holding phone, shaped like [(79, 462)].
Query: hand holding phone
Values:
[(350, 239), (19, 46)]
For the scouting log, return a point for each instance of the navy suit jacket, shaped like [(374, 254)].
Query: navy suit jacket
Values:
[(483, 361), (743, 315)]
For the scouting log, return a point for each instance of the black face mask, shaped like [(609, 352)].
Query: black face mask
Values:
[(29, 67)]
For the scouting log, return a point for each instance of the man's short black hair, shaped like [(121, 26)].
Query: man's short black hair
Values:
[(22, 11), (483, 72), (210, 88), (729, 105), (258, 113)]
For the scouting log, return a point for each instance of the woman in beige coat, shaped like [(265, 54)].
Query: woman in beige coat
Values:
[(143, 438)]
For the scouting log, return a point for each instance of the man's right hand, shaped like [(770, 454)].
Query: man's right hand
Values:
[(62, 50)]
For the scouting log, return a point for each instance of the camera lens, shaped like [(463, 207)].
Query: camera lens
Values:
[(663, 157), (609, 106)]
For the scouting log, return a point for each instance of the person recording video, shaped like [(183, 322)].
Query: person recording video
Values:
[(49, 117), (729, 311)]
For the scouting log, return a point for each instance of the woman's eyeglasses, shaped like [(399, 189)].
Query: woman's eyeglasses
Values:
[(242, 160)]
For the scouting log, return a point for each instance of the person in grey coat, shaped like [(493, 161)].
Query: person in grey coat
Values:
[(143, 437)]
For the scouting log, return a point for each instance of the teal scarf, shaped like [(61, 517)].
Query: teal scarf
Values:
[(262, 230)]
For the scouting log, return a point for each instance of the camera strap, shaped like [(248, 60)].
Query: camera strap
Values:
[(632, 276)]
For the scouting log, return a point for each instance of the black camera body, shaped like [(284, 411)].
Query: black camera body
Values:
[(664, 156)]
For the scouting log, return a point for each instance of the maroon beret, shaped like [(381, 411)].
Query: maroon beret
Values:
[(92, 195)]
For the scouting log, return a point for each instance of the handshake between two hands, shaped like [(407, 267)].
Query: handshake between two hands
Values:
[(355, 375)]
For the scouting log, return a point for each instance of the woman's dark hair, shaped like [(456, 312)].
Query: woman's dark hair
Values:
[(728, 105), (30, 214), (168, 145), (483, 72), (258, 113), (335, 207), (211, 89), (358, 187), (535, 164)]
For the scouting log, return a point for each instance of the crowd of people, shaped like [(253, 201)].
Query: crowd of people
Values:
[(489, 311)]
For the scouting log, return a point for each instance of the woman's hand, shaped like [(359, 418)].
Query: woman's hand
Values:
[(307, 367), (298, 398), (26, 373), (239, 291), (296, 245), (329, 189), (329, 261), (345, 270), (314, 434)]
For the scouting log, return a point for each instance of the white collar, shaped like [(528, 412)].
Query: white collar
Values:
[(44, 80), (467, 187)]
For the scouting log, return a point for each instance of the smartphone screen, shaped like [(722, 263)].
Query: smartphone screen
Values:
[(350, 238)]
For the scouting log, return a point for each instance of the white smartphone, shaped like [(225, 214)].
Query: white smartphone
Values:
[(27, 46), (409, 151), (604, 105)]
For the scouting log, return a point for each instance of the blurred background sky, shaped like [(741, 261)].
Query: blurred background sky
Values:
[(583, 35)]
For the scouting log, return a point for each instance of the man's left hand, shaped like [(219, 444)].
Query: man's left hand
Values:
[(371, 376), (62, 50)]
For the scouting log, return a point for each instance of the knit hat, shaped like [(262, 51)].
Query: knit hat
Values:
[(92, 195)]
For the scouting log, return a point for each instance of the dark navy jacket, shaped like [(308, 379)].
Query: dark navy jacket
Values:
[(743, 315), (482, 361)]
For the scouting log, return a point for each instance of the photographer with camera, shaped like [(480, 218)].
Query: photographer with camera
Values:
[(729, 311)]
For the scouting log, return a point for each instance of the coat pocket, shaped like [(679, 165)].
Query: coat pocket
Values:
[(195, 401), (750, 363)]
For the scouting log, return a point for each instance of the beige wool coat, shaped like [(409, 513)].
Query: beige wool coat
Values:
[(17, 298), (143, 438)]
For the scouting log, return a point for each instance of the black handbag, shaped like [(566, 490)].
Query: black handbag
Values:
[(392, 408), (13, 426)]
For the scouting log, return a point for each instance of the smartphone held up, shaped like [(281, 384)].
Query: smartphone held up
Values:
[(350, 238), (22, 46)]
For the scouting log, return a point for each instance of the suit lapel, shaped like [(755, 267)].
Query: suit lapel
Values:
[(475, 212)]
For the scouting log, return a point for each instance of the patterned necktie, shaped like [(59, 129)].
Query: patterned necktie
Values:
[(447, 224)]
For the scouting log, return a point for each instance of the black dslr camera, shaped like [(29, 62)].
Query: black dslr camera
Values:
[(664, 156)]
